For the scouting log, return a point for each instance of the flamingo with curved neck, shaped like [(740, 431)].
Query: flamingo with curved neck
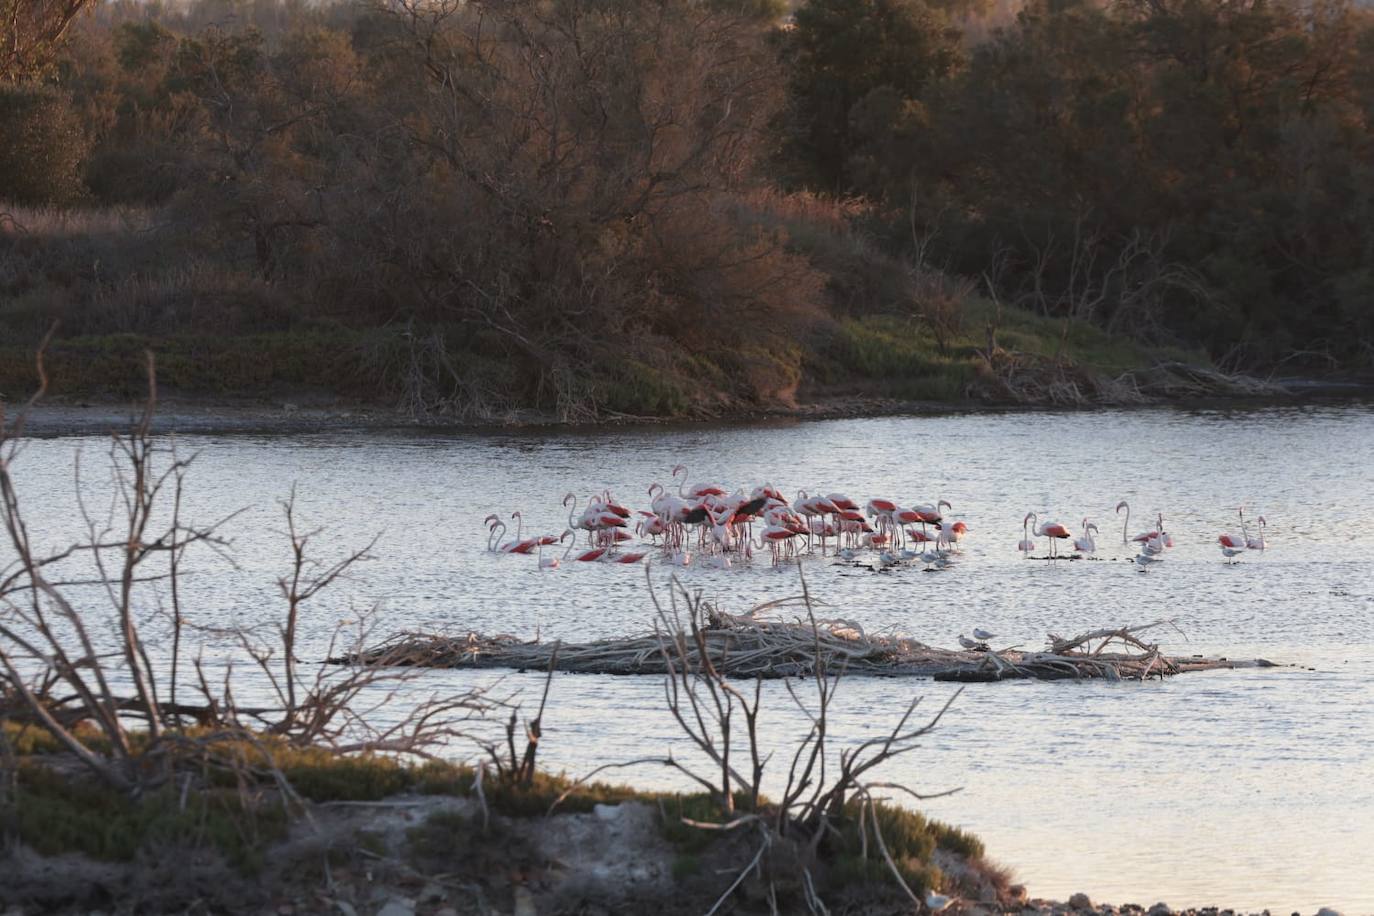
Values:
[(1086, 543), (1026, 546), (586, 556), (1052, 530), (495, 528), (1126, 525), (1252, 543)]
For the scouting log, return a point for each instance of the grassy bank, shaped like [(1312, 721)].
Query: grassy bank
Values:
[(118, 281), (902, 358), (498, 844), (875, 356)]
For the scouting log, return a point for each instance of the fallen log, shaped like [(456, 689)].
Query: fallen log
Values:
[(751, 646)]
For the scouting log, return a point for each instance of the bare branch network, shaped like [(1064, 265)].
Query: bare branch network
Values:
[(128, 717)]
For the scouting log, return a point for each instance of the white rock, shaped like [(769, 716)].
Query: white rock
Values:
[(607, 812)]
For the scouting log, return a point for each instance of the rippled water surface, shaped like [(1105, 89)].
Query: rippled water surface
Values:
[(1250, 788)]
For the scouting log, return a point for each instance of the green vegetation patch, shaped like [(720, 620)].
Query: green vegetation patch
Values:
[(911, 839), (326, 358), (54, 815)]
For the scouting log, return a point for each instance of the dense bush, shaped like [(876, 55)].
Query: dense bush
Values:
[(680, 206), (44, 146), (1183, 171)]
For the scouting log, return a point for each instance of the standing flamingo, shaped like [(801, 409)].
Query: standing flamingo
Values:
[(1085, 543), (953, 533), (695, 492), (1126, 525), (1026, 545), (1052, 530), (516, 545), (495, 528), (1144, 536), (1252, 543), (1153, 543), (1233, 545), (930, 515)]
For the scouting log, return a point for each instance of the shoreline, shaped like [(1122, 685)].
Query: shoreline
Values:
[(218, 416)]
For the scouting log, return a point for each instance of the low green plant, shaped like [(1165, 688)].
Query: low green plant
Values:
[(55, 815)]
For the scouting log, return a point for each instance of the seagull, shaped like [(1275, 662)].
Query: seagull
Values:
[(937, 902), (935, 558), (1146, 560), (970, 644), (983, 634)]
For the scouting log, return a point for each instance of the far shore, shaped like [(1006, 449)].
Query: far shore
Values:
[(312, 413)]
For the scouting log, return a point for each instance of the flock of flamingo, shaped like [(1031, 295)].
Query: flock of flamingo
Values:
[(1152, 544), (707, 525)]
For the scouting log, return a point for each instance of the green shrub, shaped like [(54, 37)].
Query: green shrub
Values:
[(56, 815)]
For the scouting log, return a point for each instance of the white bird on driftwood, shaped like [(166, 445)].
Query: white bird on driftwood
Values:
[(970, 644), (983, 634)]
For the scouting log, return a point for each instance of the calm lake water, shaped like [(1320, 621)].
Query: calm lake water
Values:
[(1251, 788)]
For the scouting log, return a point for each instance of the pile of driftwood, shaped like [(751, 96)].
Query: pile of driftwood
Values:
[(751, 645)]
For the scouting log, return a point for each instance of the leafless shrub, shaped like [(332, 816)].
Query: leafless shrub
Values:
[(1121, 283), (717, 717), (61, 669), (510, 768)]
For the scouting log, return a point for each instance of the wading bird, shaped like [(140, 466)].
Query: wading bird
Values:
[(586, 556), (1252, 543), (1052, 530), (1085, 543)]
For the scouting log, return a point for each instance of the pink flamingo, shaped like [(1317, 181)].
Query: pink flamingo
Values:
[(954, 533), (495, 528), (586, 556), (1144, 536), (1252, 543), (516, 545), (1052, 530), (697, 491)]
